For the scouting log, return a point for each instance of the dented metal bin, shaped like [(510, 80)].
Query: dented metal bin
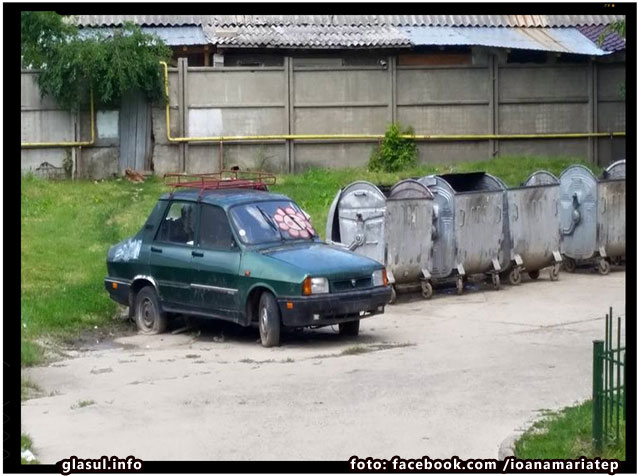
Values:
[(593, 216), (533, 227), (470, 229), (612, 188), (408, 236), (356, 219), (390, 225)]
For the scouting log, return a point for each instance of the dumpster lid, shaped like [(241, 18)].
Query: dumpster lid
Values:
[(617, 170)]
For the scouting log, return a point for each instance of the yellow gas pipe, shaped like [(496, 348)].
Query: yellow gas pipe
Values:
[(434, 137)]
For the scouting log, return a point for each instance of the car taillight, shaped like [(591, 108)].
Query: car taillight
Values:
[(385, 280)]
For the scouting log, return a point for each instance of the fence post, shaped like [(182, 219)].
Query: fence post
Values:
[(596, 424)]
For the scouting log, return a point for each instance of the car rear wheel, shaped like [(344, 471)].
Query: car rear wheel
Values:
[(349, 328), (269, 320), (149, 317)]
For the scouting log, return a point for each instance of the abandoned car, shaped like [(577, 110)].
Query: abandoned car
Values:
[(226, 248)]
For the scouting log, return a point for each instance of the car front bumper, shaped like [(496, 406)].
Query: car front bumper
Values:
[(328, 309)]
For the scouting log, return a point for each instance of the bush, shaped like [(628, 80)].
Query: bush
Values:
[(395, 153)]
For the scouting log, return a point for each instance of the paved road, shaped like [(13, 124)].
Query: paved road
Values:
[(454, 375)]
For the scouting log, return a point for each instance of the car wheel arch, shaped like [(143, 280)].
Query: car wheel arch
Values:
[(137, 284), (253, 301)]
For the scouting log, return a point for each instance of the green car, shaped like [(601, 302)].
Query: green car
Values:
[(242, 255)]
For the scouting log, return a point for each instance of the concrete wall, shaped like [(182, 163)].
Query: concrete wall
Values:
[(484, 97)]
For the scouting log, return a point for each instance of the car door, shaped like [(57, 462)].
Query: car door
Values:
[(216, 263), (171, 254)]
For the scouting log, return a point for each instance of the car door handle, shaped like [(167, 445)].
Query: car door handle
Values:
[(198, 254), (156, 250)]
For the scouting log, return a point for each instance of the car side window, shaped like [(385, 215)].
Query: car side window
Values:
[(178, 225), (215, 232)]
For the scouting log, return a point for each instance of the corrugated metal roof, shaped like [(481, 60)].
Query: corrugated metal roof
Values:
[(611, 42), (311, 36), (562, 40), (172, 36), (353, 20)]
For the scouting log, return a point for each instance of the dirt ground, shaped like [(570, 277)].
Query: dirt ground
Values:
[(454, 375)]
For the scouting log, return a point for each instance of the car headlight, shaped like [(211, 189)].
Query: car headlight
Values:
[(315, 286), (379, 277)]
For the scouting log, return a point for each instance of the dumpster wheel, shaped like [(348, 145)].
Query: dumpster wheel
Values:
[(569, 265), (495, 277), (427, 289), (394, 295), (604, 267), (460, 284), (554, 273), (515, 277), (534, 274)]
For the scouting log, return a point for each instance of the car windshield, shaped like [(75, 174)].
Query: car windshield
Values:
[(266, 222)]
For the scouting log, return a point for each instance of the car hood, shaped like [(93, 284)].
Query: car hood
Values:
[(320, 259)]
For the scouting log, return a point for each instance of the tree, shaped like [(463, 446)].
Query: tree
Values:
[(108, 63), (619, 27)]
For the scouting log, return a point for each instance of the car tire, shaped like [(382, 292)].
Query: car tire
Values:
[(350, 329), (269, 320), (149, 316)]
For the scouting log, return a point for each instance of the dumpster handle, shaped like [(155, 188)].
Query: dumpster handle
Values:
[(517, 212), (556, 207), (604, 205), (575, 216), (463, 218)]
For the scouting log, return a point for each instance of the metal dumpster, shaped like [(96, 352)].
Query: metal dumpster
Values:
[(408, 237), (534, 230), (612, 187), (392, 225), (356, 219), (579, 221), (470, 229)]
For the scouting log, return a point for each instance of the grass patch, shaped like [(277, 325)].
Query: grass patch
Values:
[(68, 226), (82, 404), (566, 434), (27, 444), (28, 388)]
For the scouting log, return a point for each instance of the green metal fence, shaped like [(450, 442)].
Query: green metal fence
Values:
[(609, 379)]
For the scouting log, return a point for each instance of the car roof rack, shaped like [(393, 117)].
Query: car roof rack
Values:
[(225, 179)]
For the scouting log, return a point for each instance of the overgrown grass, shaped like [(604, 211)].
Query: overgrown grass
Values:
[(27, 444), (565, 435), (67, 228)]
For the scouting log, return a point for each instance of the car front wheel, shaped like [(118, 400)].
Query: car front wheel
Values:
[(149, 317), (269, 320)]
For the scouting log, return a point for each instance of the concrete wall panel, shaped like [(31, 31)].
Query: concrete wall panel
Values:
[(45, 126), (611, 116), (611, 78), (332, 155), (554, 81), (543, 118), (204, 158), (611, 149), (98, 162), (30, 93), (546, 147), (445, 119), (165, 159), (235, 87), (452, 152), (31, 159), (236, 121), (340, 120), (459, 84), (364, 86)]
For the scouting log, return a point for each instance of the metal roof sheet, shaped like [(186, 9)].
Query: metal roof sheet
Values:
[(612, 41), (311, 36), (521, 21), (562, 40), (172, 36)]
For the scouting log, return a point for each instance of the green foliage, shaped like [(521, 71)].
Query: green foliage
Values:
[(619, 27), (109, 64), (566, 435), (395, 153)]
